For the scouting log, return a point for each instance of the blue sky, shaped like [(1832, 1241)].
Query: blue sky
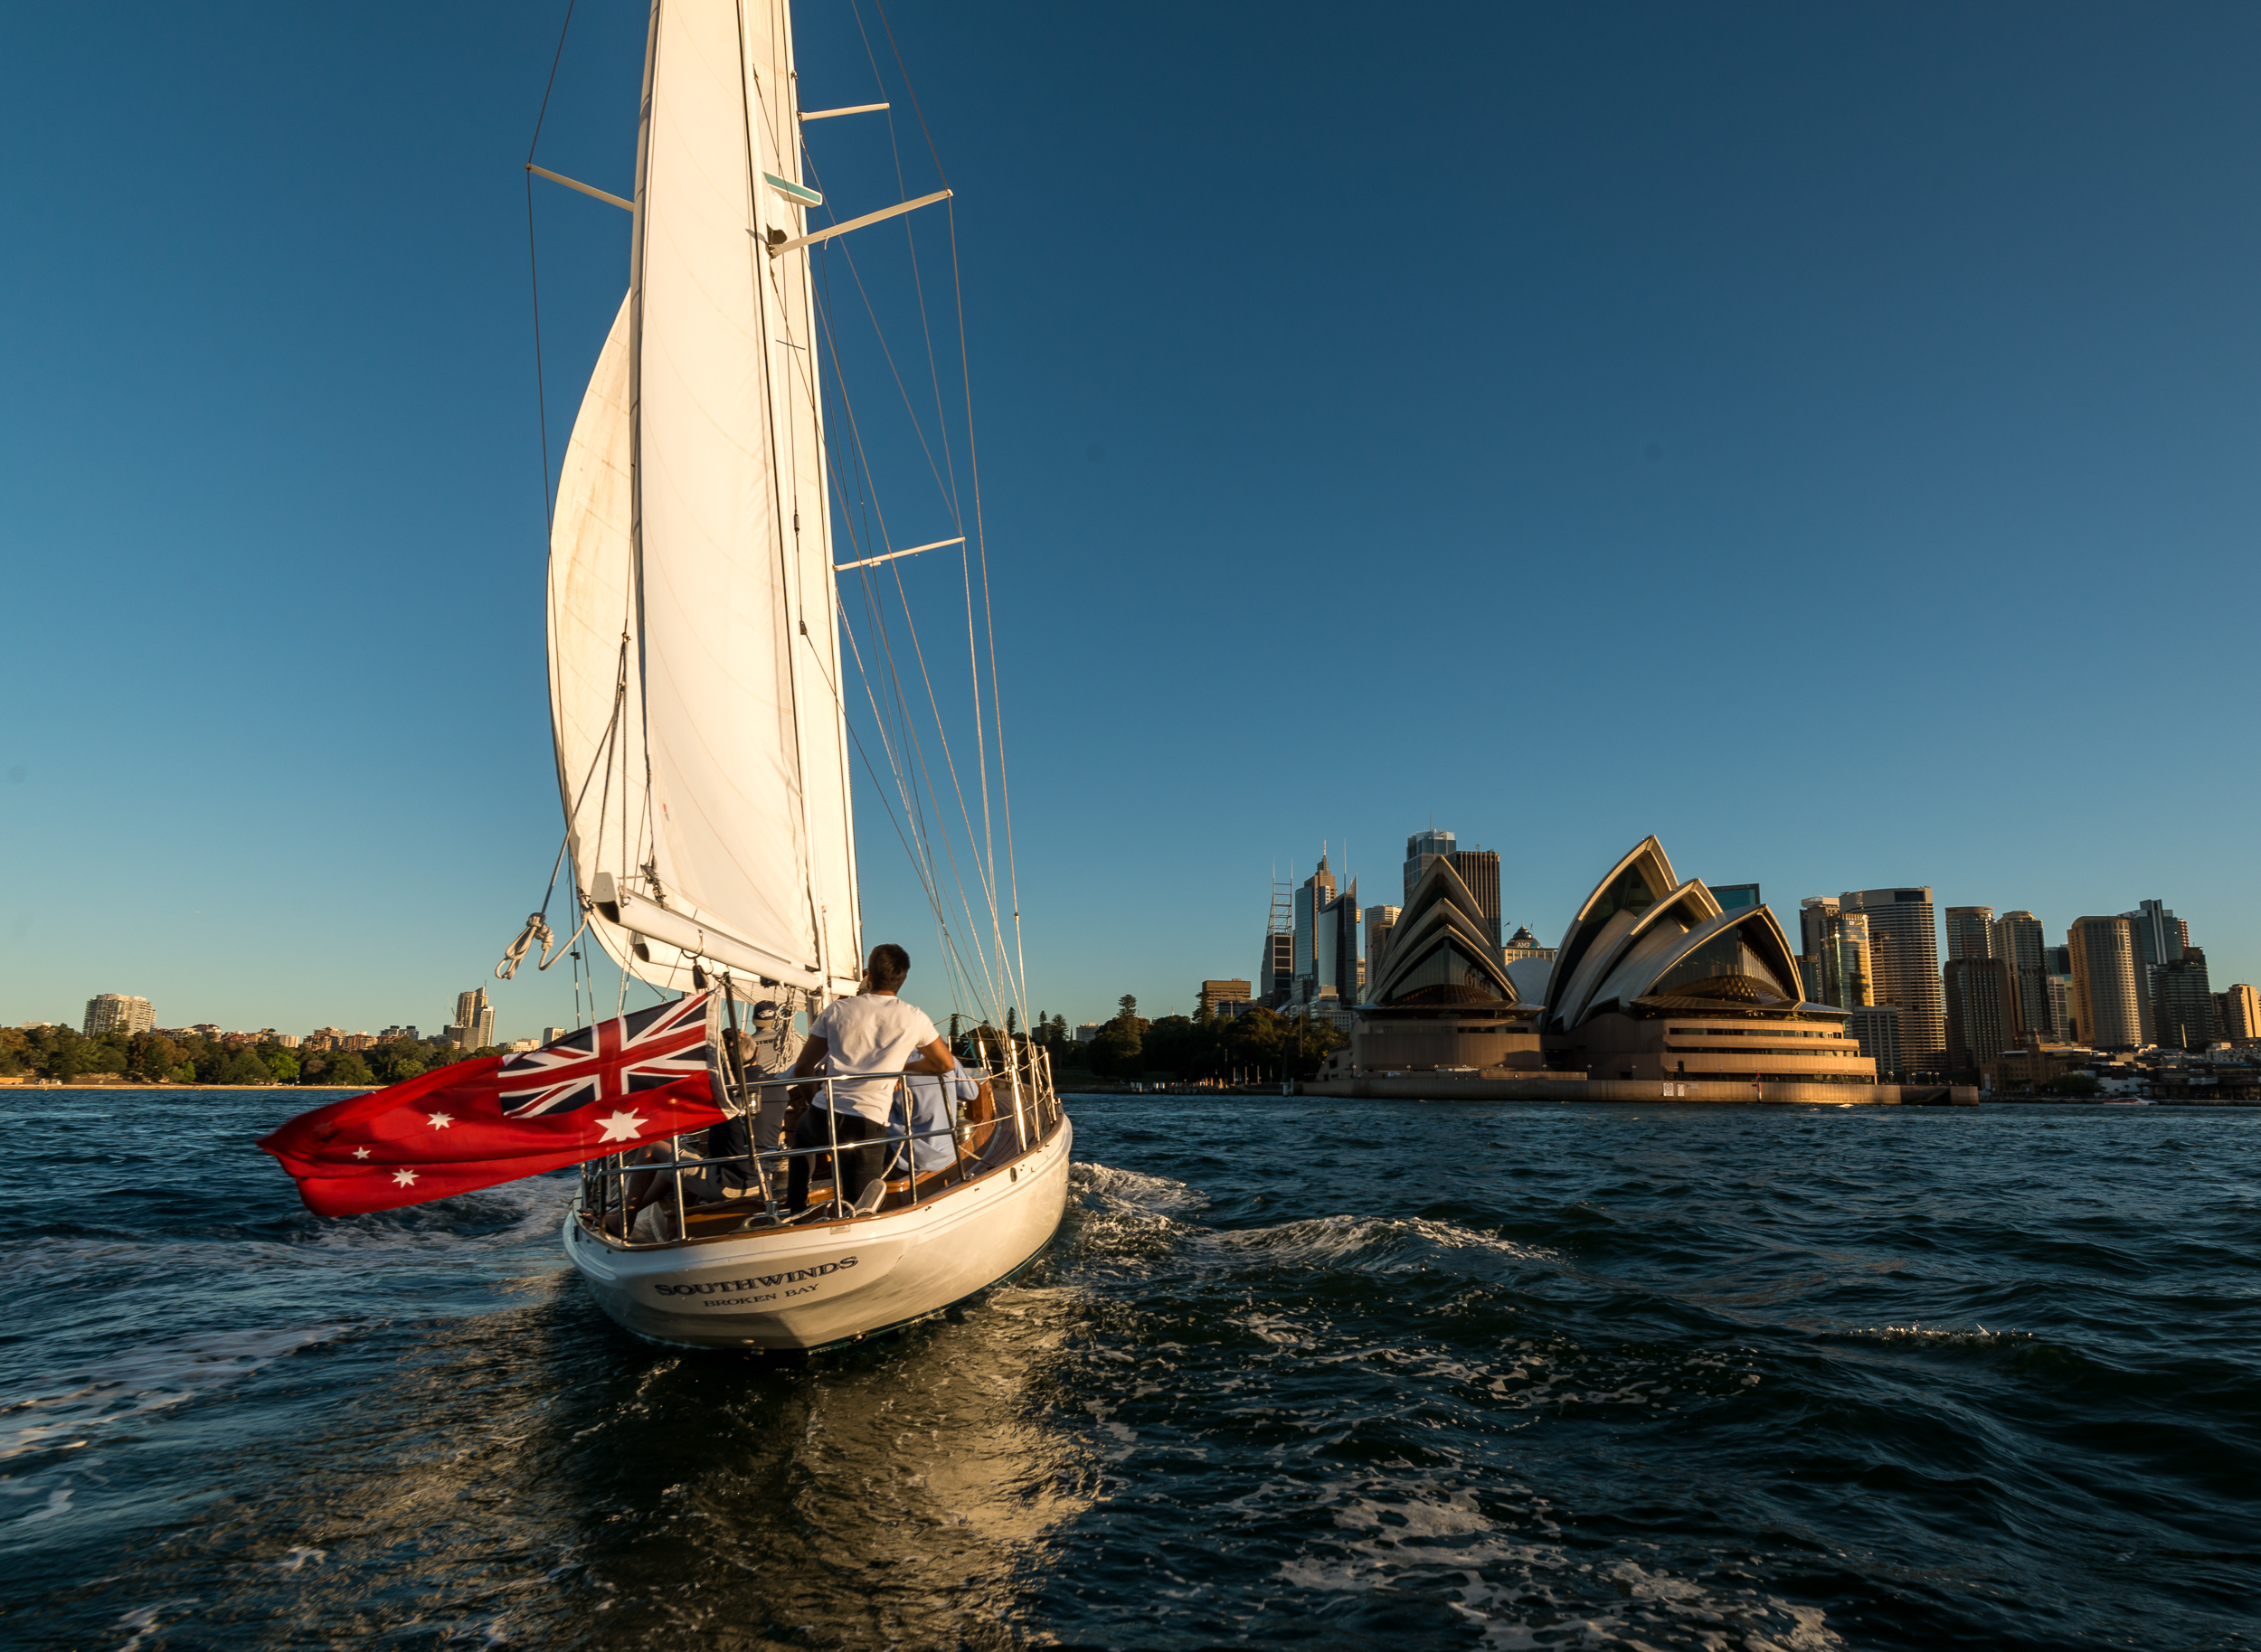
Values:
[(1824, 438)]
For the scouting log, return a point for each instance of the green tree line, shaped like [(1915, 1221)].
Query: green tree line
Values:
[(1257, 1044), (62, 1053)]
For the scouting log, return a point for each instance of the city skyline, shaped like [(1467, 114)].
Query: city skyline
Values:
[(1826, 328), (2009, 929)]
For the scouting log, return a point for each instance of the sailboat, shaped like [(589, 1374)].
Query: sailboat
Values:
[(699, 710)]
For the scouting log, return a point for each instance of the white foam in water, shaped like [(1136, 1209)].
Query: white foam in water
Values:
[(1521, 1588), (1135, 1187), (136, 1382), (1377, 1244), (143, 1621)]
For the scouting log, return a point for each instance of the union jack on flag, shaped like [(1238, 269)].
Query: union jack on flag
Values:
[(614, 1060)]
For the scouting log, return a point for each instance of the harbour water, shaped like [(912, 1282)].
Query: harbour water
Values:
[(1298, 1372)]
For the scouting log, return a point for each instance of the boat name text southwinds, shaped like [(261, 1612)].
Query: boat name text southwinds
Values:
[(712, 1286)]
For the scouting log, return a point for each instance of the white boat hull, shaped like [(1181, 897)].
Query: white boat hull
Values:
[(811, 1287)]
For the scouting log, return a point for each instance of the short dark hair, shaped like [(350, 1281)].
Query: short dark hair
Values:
[(890, 966)]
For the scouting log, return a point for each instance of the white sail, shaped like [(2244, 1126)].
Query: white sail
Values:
[(745, 853), (596, 706)]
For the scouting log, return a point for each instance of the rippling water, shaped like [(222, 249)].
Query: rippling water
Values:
[(1305, 1372)]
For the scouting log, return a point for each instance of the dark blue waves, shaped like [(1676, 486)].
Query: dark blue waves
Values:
[(1299, 1372)]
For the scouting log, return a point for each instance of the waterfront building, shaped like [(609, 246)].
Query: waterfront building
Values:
[(1981, 996), (1441, 997), (1875, 1029), (2107, 985), (2182, 1003), (1655, 979), (117, 1012), (550, 1035), (2025, 1071), (1970, 931), (1215, 994), (2018, 943), (1904, 954), (1835, 962), (286, 1041), (2238, 1013)]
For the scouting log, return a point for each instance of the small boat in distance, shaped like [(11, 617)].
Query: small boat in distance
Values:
[(699, 708)]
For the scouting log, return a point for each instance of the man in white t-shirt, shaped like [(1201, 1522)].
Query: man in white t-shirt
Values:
[(864, 1044)]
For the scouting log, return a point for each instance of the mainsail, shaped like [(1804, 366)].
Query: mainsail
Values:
[(695, 663)]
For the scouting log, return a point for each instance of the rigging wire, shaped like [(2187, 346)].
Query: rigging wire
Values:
[(534, 279)]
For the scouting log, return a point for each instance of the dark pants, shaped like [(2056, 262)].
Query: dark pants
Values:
[(856, 1166)]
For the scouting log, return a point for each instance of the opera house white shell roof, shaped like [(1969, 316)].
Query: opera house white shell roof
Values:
[(1440, 949), (1644, 934)]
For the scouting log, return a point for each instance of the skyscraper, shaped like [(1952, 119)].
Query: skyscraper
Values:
[(1422, 848), (1478, 869), (2240, 1010), (2107, 983), (2182, 1003), (1310, 900), (473, 1027), (1379, 921), (1837, 955), (1275, 973), (1339, 926), (1970, 931), (1982, 1012), (1877, 1028), (1904, 952), (2019, 942), (115, 1012), (2160, 938)]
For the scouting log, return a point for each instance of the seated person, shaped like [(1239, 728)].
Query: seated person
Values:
[(864, 1044), (933, 1107)]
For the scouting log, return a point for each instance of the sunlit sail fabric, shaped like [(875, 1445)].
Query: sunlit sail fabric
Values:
[(596, 703), (740, 727)]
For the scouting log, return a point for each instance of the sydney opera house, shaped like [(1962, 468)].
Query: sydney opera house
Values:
[(1655, 981)]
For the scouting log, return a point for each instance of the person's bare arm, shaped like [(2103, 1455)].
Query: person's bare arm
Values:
[(813, 1050), (934, 1058)]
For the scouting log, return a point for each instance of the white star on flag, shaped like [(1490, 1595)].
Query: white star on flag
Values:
[(403, 1178), (621, 1126), (441, 1121), (360, 1153)]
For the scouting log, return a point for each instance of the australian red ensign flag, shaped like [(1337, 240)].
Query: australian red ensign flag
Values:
[(639, 1078)]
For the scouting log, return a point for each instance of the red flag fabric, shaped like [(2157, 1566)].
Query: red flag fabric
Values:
[(639, 1078)]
